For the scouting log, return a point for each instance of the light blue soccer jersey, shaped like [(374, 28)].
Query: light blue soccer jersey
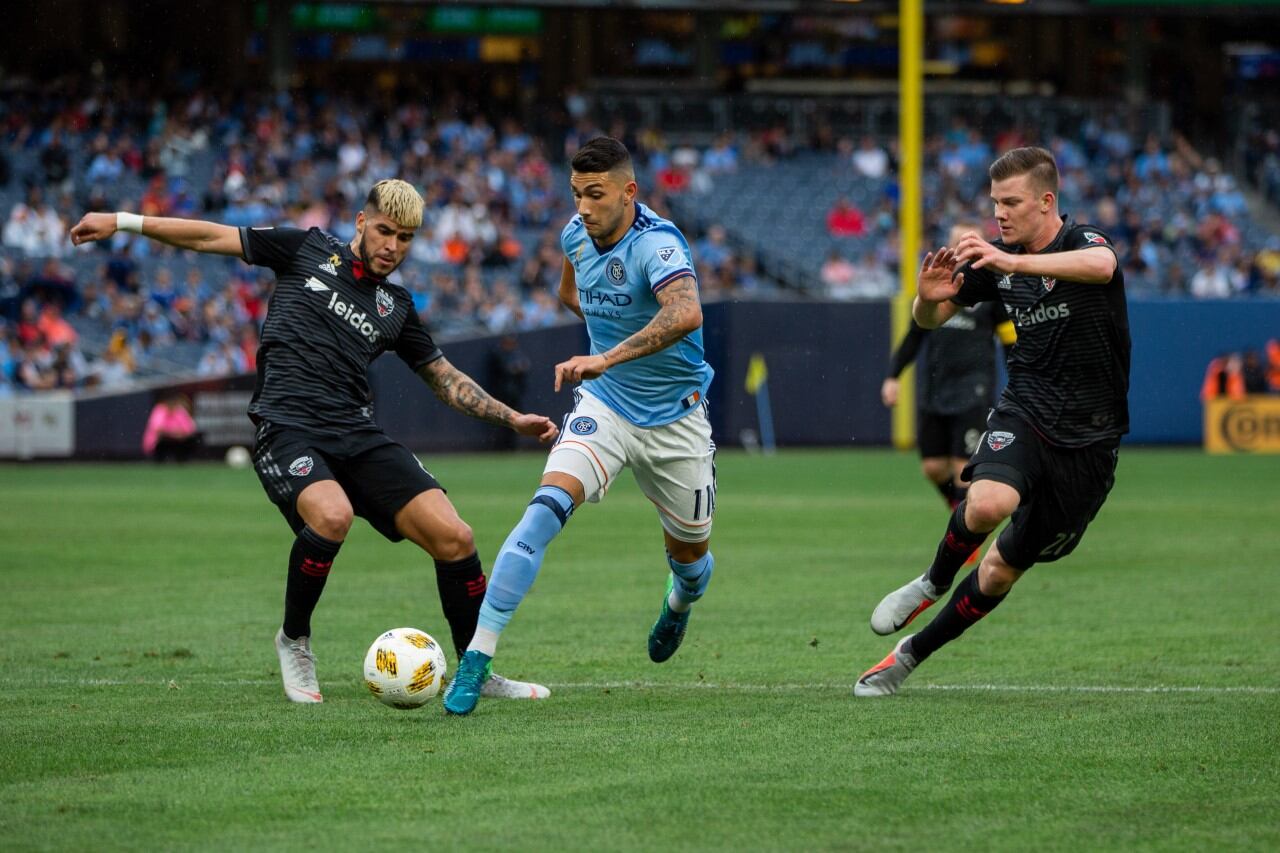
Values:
[(617, 289)]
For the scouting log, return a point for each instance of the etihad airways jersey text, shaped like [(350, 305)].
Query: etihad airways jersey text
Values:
[(617, 293)]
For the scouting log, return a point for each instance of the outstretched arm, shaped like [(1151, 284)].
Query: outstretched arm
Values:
[(461, 393), (680, 313), (194, 234)]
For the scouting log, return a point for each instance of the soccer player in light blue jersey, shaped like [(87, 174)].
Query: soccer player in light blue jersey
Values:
[(641, 404)]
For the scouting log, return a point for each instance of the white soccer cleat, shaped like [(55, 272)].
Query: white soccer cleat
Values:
[(896, 610), (886, 677), (298, 669), (498, 687)]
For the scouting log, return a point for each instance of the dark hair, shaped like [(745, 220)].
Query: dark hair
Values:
[(1036, 162), (602, 154)]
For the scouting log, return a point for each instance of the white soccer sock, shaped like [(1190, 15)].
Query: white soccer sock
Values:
[(485, 642)]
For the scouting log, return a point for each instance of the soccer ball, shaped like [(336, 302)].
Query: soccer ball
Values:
[(238, 457), (404, 668)]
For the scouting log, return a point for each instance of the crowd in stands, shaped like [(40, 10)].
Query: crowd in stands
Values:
[(486, 261), (1237, 375), (488, 258)]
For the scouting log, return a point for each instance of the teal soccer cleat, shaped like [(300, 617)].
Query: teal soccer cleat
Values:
[(464, 690), (667, 633)]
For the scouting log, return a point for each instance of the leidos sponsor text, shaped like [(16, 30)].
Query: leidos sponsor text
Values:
[(357, 319), (1040, 314)]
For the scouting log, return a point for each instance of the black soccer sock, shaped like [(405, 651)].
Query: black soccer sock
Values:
[(956, 547), (947, 488), (461, 584), (309, 564), (967, 605)]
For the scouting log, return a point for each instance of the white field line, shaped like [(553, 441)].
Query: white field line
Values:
[(816, 687)]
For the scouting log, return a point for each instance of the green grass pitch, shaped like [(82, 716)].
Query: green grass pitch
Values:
[(1125, 698)]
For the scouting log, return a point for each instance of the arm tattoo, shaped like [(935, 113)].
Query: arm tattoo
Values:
[(460, 392), (678, 316)]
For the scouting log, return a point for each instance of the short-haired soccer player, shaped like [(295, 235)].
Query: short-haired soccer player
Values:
[(641, 404), (1048, 457), (321, 456)]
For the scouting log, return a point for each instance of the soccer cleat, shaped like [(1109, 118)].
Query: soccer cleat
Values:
[(667, 633), (886, 677), (498, 687), (464, 691), (298, 669), (896, 610)]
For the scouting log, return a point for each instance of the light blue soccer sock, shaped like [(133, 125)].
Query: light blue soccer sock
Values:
[(518, 562), (691, 581)]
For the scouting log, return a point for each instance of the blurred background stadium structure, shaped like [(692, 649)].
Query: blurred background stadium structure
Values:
[(767, 130)]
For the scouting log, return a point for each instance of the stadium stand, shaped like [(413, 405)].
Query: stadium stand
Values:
[(756, 203)]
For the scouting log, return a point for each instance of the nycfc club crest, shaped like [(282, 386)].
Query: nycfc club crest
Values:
[(582, 426), (385, 303), (999, 440), (1048, 282), (301, 466), (617, 272)]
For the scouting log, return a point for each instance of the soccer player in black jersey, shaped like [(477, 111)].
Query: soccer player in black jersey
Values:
[(320, 455), (1049, 454), (956, 380)]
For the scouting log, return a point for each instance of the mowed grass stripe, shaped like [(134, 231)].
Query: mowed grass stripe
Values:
[(1123, 699)]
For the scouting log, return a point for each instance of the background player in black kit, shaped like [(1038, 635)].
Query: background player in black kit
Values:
[(955, 382), (1048, 457), (320, 455)]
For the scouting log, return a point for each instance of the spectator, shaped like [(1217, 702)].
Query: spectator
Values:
[(845, 220), (837, 273), (171, 432), (115, 368), (712, 252), (1253, 374), (54, 327), (721, 158), (870, 160), (1210, 281)]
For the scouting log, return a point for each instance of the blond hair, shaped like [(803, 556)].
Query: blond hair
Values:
[(398, 200)]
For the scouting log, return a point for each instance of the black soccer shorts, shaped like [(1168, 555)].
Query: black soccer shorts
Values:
[(378, 475), (1062, 488), (951, 435)]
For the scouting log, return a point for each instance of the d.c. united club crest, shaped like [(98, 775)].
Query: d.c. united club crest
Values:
[(301, 466), (1048, 282), (385, 303), (999, 440)]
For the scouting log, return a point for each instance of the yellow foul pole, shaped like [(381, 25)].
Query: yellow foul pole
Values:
[(911, 155)]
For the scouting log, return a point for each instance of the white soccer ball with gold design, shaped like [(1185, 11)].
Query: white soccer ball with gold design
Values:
[(405, 668)]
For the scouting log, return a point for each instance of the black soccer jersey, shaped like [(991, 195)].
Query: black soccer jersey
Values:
[(1069, 372), (328, 319), (957, 367)]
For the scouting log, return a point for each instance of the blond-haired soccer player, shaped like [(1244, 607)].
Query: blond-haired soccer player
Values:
[(319, 453)]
